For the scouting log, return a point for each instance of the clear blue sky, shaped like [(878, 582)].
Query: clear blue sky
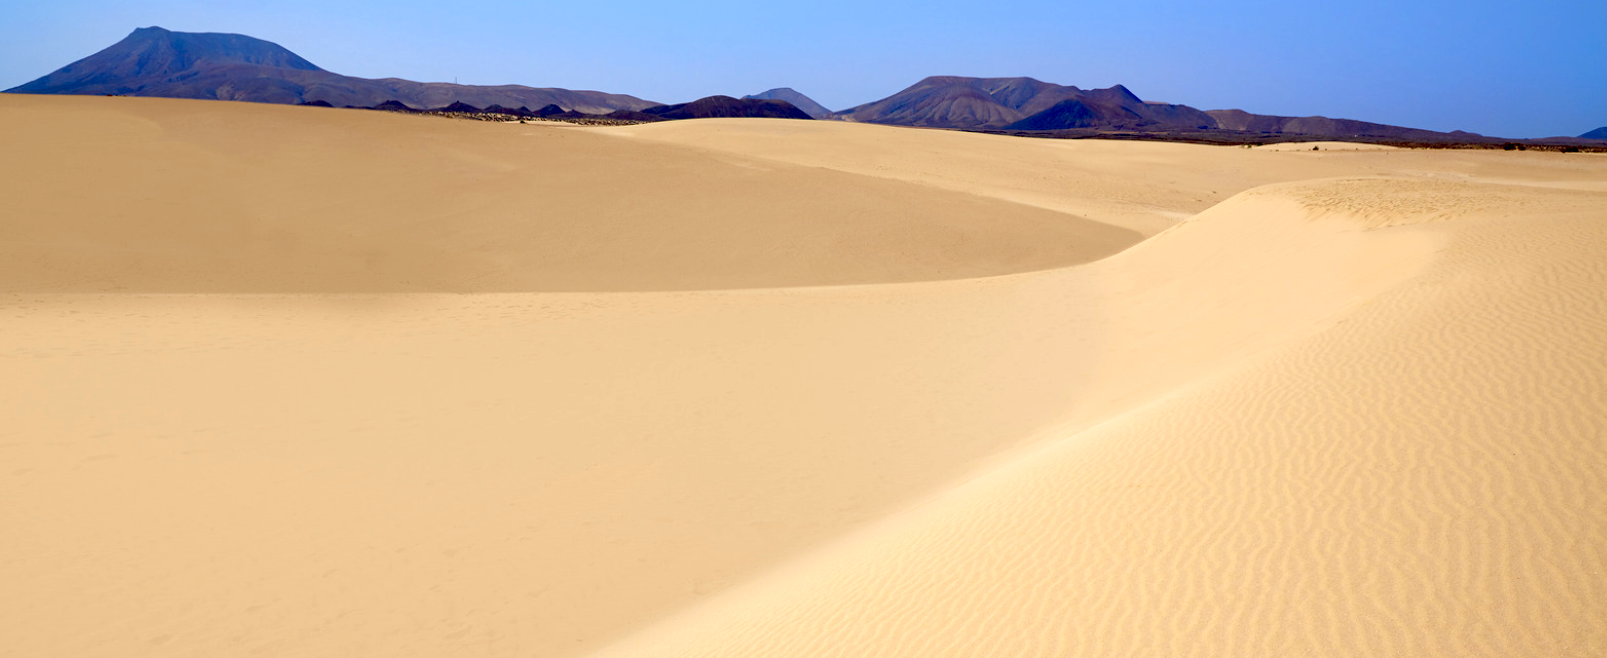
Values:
[(1525, 68)]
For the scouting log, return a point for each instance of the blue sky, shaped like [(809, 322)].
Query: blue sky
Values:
[(1519, 69)]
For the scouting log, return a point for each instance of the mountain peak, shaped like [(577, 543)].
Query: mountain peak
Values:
[(154, 55), (971, 103), (156, 61), (798, 100), (1125, 93)]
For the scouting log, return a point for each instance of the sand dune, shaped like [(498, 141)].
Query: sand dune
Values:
[(159, 195), (1352, 405), (1143, 186), (1417, 478)]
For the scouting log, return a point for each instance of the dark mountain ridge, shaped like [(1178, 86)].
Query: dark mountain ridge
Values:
[(1021, 104), (703, 108), (972, 103), (1261, 123), (1029, 106), (153, 61)]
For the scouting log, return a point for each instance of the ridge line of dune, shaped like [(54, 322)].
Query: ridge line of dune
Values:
[(1327, 524)]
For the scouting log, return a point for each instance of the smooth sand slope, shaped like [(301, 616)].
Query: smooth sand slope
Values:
[(1354, 407), (1421, 477), (158, 195)]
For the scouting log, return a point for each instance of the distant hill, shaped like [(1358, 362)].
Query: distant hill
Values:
[(1247, 122), (703, 108), (1028, 105), (156, 62), (800, 101), (726, 106), (1020, 104), (1599, 133)]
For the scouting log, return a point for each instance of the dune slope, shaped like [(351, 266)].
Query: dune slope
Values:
[(1417, 478), (159, 195)]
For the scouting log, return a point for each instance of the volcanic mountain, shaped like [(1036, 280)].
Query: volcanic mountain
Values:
[(1246, 122), (1028, 105), (1020, 104), (798, 100), (156, 62), (1599, 133), (726, 106)]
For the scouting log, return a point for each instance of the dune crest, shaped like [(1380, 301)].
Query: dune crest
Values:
[(1426, 462)]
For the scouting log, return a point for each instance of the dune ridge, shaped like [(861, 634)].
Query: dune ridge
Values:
[(1346, 403), (1145, 187), (1425, 463)]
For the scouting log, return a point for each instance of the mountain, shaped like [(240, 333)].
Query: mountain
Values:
[(800, 101), (1599, 133), (156, 62), (726, 106), (1260, 123), (944, 102), (1028, 105), (1020, 104)]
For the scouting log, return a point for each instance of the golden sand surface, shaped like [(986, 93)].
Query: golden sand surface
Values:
[(305, 382)]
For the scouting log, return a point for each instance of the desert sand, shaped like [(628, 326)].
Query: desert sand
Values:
[(305, 382)]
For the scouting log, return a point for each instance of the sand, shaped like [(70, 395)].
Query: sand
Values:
[(160, 195), (307, 382)]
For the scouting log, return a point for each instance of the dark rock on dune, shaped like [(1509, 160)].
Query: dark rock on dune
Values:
[(498, 109), (1599, 133), (392, 106), (315, 104), (726, 107), (156, 62), (800, 101), (631, 115)]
